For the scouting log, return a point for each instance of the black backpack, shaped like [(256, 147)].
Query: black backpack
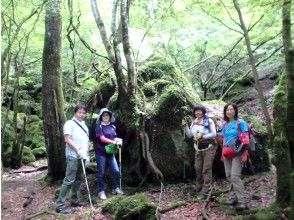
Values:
[(92, 132)]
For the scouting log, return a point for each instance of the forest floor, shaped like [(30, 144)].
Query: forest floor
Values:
[(25, 188)]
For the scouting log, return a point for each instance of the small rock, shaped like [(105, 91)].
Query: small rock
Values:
[(256, 196)]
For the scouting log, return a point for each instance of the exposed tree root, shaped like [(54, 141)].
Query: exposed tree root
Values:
[(173, 206), (146, 151), (40, 213), (205, 216), (31, 170)]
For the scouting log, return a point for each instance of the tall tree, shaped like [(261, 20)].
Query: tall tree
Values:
[(254, 71), (289, 70), (126, 88), (52, 95)]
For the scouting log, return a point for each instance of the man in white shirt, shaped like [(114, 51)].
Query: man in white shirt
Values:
[(76, 137)]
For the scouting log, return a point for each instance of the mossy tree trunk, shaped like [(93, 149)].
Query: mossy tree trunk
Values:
[(52, 95), (254, 71), (289, 69), (281, 158), (15, 154)]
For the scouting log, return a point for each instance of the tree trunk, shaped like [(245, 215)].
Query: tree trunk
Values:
[(281, 158), (255, 74), (289, 70), (52, 95), (15, 159), (112, 52), (127, 49)]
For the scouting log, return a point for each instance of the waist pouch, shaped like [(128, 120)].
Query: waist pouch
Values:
[(235, 148), (205, 144)]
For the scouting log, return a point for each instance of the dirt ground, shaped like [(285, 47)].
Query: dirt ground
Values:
[(18, 188)]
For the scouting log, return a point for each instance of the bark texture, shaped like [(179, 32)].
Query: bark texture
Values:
[(52, 94), (289, 69)]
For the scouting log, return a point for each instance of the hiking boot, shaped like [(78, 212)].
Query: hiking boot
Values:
[(63, 210), (232, 201), (241, 207), (77, 204), (102, 195), (117, 191)]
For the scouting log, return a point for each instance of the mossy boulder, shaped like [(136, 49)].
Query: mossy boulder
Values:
[(34, 132), (27, 156), (164, 98), (39, 152), (101, 91), (136, 206), (6, 156)]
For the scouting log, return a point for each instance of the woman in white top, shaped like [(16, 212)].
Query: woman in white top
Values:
[(203, 131)]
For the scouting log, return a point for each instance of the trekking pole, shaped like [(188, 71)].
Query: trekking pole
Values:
[(119, 160), (89, 194)]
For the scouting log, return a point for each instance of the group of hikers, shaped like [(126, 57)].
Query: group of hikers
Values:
[(76, 137), (235, 152), (235, 142)]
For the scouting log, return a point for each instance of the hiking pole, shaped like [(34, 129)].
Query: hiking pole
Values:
[(89, 194), (119, 160)]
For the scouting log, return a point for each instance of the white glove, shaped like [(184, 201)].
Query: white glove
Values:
[(82, 154), (118, 141)]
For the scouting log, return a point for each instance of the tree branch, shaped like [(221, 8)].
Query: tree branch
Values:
[(220, 21), (132, 78)]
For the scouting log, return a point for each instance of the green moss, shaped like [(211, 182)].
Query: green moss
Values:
[(280, 100), (6, 156), (214, 102), (156, 67), (270, 213), (170, 106), (155, 86), (27, 156), (159, 72), (136, 206), (46, 180), (39, 152), (34, 133), (258, 125), (112, 102)]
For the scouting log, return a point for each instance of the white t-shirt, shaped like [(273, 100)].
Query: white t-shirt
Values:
[(77, 135)]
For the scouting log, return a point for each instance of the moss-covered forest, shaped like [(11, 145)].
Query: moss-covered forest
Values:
[(149, 62)]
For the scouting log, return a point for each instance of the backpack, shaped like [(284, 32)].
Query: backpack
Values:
[(92, 132)]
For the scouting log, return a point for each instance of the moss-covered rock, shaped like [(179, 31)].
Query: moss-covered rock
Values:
[(154, 87), (136, 206), (6, 156), (27, 156), (165, 96), (34, 133), (39, 152)]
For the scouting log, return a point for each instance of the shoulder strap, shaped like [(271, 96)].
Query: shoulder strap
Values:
[(81, 127), (239, 125)]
